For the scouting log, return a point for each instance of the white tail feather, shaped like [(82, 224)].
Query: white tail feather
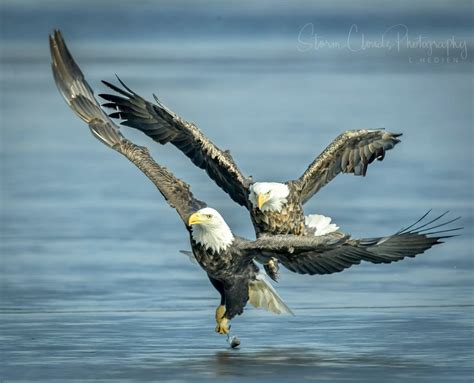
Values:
[(263, 295), (320, 223)]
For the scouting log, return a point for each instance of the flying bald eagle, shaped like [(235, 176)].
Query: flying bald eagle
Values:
[(228, 259), (275, 208)]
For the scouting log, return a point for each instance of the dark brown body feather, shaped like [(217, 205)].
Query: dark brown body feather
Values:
[(230, 273), (289, 220)]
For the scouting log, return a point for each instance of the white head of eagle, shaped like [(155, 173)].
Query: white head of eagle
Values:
[(209, 229), (268, 196)]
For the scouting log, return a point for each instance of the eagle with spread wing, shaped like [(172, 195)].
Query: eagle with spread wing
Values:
[(229, 260), (275, 208)]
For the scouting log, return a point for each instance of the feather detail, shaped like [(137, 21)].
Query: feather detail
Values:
[(321, 224), (263, 295)]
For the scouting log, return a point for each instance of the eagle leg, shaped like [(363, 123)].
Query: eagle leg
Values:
[(220, 312), (223, 324), (272, 269)]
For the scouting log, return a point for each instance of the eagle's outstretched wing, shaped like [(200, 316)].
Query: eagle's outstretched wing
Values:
[(80, 97), (350, 152), (331, 254), (163, 126)]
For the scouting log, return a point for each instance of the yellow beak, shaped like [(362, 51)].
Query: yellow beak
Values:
[(261, 199), (196, 218)]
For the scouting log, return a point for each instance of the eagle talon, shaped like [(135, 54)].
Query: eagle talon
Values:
[(223, 327), (272, 269)]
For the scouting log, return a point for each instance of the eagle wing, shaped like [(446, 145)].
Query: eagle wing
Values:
[(80, 97), (162, 125), (332, 253), (350, 152)]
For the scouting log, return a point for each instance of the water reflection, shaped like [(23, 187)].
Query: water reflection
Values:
[(302, 364)]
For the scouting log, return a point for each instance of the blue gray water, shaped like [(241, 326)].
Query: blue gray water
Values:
[(92, 285)]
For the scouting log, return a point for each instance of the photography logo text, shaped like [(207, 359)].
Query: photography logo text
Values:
[(396, 39)]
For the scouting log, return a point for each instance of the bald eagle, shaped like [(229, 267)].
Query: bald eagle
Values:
[(275, 208), (229, 260)]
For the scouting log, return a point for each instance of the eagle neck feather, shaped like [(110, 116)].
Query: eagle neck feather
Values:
[(216, 237)]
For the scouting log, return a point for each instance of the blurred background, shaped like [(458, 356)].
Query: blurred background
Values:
[(92, 285)]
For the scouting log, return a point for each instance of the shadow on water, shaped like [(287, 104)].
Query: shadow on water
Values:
[(285, 360), (295, 363)]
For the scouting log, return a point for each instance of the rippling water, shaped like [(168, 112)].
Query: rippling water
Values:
[(92, 284)]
